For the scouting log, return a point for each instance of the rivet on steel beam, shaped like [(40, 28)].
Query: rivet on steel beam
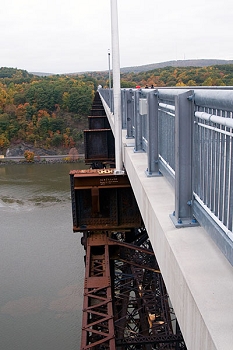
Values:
[(191, 97)]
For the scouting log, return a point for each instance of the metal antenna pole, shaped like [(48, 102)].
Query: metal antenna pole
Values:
[(116, 87)]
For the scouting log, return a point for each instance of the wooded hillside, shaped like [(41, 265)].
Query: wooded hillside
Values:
[(44, 111), (217, 75), (51, 111)]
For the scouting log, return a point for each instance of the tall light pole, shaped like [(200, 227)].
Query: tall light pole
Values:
[(109, 70), (109, 80), (116, 86)]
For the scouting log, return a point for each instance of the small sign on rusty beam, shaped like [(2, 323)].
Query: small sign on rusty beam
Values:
[(102, 200)]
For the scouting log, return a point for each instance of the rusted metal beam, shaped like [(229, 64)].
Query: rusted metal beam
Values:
[(97, 325), (98, 122), (99, 145)]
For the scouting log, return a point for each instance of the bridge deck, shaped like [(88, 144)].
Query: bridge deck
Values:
[(198, 277)]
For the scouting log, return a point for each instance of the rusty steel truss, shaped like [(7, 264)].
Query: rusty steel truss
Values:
[(98, 139), (126, 305)]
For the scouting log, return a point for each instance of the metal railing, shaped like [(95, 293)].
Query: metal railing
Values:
[(187, 136)]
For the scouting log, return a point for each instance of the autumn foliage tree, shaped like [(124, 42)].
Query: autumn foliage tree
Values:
[(29, 156)]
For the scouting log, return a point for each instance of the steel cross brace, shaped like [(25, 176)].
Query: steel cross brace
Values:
[(126, 305)]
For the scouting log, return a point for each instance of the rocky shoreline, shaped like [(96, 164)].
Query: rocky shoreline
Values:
[(45, 160), (15, 155), (17, 150)]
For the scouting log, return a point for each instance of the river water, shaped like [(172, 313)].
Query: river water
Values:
[(41, 259)]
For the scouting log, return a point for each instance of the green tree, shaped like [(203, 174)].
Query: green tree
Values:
[(56, 124), (57, 140), (208, 82), (43, 125)]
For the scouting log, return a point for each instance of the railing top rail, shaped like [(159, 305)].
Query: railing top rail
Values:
[(220, 99)]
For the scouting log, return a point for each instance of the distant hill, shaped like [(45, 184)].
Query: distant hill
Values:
[(175, 63), (147, 67), (178, 63)]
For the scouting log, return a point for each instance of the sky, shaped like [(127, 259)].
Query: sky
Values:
[(58, 36)]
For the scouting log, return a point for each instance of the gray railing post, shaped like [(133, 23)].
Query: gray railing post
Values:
[(129, 114), (153, 134), (138, 122), (184, 118)]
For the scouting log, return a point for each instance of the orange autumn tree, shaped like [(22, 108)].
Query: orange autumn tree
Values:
[(29, 156), (73, 154), (4, 142)]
